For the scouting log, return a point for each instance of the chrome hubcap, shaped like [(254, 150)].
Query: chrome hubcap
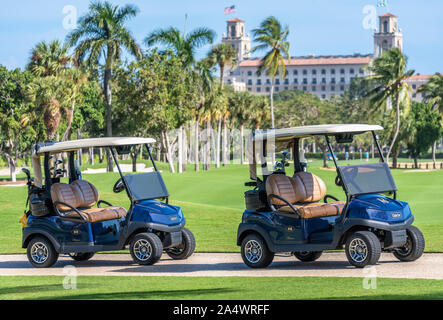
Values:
[(253, 251), (39, 252), (358, 250), (142, 249)]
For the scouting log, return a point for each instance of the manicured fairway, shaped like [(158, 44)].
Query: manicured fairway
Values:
[(178, 288), (213, 203)]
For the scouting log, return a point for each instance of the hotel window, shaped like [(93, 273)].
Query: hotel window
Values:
[(323, 71), (332, 71), (295, 88), (304, 88), (249, 73), (286, 81), (305, 80), (314, 71), (295, 72), (414, 86), (323, 96), (268, 81), (323, 88), (305, 71), (295, 80), (249, 89), (342, 71), (342, 79), (351, 71), (277, 81), (249, 82), (314, 81), (276, 89), (342, 88), (333, 80), (258, 89), (259, 81), (267, 89), (314, 88), (360, 71), (414, 95), (323, 80), (229, 81), (286, 88), (332, 88)]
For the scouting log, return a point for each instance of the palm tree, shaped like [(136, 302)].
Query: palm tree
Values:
[(48, 59), (434, 95), (184, 45), (224, 55), (273, 36), (241, 104), (390, 75), (100, 36)]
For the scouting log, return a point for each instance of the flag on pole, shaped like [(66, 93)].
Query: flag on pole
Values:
[(229, 10), (382, 3)]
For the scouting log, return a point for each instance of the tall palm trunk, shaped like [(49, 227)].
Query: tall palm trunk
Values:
[(167, 148), (180, 150), (196, 149), (108, 97), (217, 158), (70, 117), (225, 142), (397, 129), (208, 145), (434, 162), (242, 151), (272, 103), (222, 70)]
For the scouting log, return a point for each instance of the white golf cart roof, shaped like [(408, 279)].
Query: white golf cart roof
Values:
[(71, 145), (286, 134)]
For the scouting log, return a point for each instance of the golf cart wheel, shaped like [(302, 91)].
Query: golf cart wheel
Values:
[(414, 247), (41, 252), (146, 248), (363, 248), (81, 256), (307, 256), (185, 249), (255, 252)]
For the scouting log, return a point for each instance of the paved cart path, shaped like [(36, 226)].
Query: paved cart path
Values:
[(429, 266)]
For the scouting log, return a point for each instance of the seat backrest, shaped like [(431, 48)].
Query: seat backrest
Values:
[(308, 187), (302, 187), (282, 186), (79, 194)]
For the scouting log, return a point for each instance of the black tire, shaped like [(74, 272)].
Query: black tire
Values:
[(414, 247), (81, 256), (363, 248), (307, 256), (261, 257), (146, 248), (186, 249), (41, 252)]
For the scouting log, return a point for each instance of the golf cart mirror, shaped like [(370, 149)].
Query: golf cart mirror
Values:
[(123, 150), (344, 138)]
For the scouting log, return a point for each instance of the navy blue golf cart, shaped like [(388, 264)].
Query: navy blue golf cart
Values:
[(68, 218), (293, 213)]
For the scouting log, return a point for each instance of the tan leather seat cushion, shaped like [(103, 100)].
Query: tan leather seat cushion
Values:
[(303, 191), (83, 194), (317, 209)]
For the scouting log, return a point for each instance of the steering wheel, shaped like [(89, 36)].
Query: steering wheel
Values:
[(118, 186), (338, 181)]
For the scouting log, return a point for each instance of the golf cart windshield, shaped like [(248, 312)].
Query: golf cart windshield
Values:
[(146, 186), (367, 178)]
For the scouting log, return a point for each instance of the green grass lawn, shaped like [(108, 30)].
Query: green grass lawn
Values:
[(218, 288), (213, 203)]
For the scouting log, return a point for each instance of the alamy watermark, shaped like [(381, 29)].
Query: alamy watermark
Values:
[(70, 280)]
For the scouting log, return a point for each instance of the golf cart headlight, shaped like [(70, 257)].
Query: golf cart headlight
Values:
[(377, 214)]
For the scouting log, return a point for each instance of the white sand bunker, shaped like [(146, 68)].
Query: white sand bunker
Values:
[(141, 167)]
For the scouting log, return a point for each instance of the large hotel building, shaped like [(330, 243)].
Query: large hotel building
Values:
[(321, 75)]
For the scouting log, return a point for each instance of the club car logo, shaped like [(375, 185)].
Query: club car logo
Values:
[(382, 200), (395, 215)]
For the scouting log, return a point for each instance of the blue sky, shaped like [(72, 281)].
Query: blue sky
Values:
[(319, 27)]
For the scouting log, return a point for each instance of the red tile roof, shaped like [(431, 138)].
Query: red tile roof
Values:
[(313, 61), (236, 20), (388, 15), (420, 76)]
